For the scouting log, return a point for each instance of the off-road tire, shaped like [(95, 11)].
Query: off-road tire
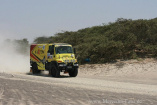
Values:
[(55, 72), (73, 73), (35, 69)]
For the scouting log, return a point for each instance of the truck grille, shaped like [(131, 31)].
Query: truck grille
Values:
[(66, 61), (70, 64)]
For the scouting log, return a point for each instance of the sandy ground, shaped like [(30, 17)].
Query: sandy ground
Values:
[(122, 83)]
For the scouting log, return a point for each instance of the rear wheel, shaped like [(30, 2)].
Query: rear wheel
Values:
[(73, 73), (35, 69)]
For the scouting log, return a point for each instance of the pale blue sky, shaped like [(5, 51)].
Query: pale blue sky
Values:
[(32, 18)]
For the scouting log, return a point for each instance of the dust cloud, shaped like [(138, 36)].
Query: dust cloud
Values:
[(10, 59)]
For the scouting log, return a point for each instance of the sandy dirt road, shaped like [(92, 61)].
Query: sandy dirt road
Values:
[(139, 88), (21, 89)]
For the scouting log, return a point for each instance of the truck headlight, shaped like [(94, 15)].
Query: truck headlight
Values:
[(75, 64), (62, 65)]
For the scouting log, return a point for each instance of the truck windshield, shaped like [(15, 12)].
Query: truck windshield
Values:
[(63, 49)]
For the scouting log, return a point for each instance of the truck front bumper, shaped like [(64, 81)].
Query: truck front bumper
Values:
[(68, 66)]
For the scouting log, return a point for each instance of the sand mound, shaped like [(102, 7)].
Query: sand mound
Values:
[(121, 68)]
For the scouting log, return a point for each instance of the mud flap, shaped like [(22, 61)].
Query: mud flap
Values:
[(31, 70), (66, 72)]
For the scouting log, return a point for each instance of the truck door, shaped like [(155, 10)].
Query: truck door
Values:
[(50, 53)]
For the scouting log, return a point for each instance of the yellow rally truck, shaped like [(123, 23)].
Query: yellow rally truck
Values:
[(55, 57)]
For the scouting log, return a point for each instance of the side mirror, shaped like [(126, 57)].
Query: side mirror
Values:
[(74, 50)]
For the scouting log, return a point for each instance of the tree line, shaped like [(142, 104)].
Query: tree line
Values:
[(122, 39)]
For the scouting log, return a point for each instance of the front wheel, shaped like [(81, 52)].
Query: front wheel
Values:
[(74, 72), (55, 72)]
